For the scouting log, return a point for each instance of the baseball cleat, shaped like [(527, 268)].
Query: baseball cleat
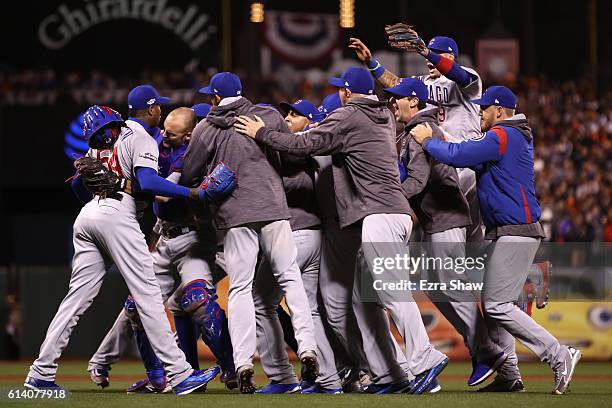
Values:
[(424, 380), (484, 369), (230, 379), (141, 387), (565, 370), (391, 388), (197, 379), (40, 385), (276, 388), (434, 387), (310, 366), (99, 376), (499, 385), (246, 383), (319, 389)]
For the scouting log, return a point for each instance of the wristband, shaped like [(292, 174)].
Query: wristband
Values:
[(376, 68)]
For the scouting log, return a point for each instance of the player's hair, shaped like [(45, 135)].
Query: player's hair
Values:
[(509, 112), (421, 105)]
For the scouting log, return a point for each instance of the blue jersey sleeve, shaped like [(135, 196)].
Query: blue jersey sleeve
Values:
[(489, 147), (150, 182)]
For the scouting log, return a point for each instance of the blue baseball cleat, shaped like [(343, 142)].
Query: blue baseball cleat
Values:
[(198, 379), (484, 369), (36, 384), (424, 380), (276, 388), (392, 388), (434, 387), (319, 389)]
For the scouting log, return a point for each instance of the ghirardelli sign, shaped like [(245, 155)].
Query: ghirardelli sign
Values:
[(192, 26)]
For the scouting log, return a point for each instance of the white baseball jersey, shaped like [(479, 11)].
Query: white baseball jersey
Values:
[(458, 116), (134, 148)]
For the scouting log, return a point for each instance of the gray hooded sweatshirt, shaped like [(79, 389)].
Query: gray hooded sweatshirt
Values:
[(360, 135), (432, 187), (259, 196)]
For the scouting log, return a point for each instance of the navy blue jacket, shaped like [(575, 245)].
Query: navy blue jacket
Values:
[(503, 161)]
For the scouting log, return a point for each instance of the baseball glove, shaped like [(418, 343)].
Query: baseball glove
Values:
[(403, 36), (218, 184), (96, 178)]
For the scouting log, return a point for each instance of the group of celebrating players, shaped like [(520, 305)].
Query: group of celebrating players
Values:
[(296, 208)]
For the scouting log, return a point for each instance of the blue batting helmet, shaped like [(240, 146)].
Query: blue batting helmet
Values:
[(95, 119)]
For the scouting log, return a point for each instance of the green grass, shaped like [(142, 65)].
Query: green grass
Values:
[(592, 387)]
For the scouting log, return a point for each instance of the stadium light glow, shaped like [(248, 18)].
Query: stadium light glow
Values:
[(257, 12), (347, 13)]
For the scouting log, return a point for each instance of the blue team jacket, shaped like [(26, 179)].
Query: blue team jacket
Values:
[(503, 161)]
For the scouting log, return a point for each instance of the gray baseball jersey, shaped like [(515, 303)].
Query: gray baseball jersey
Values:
[(458, 116)]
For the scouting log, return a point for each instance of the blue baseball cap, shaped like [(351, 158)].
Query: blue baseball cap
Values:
[(201, 110), (224, 84), (144, 96), (303, 107), (330, 103), (497, 95), (410, 87), (441, 44), (355, 79)]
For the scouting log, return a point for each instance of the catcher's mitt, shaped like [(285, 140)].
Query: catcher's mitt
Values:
[(98, 179), (403, 36)]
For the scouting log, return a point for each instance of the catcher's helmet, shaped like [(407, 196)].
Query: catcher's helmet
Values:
[(95, 121)]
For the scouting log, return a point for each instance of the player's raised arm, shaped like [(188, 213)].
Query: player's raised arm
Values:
[(385, 77)]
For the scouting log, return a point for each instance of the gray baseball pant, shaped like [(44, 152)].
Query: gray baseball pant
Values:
[(506, 271), (460, 309), (383, 236), (267, 296), (241, 245), (174, 266), (106, 230), (336, 279)]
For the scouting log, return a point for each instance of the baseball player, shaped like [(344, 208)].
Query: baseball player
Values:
[(298, 180), (337, 268), (182, 276), (254, 216), (369, 200), (503, 160), (434, 194), (452, 86), (106, 230)]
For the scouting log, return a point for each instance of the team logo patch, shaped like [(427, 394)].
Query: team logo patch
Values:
[(148, 156), (151, 101)]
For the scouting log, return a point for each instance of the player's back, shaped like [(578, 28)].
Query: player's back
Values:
[(260, 195), (458, 116)]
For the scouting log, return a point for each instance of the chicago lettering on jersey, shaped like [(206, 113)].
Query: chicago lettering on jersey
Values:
[(439, 93), (57, 29)]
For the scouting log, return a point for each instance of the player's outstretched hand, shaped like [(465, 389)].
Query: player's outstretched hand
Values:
[(363, 52), (421, 132), (248, 126)]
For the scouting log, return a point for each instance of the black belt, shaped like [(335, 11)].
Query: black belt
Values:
[(178, 231)]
